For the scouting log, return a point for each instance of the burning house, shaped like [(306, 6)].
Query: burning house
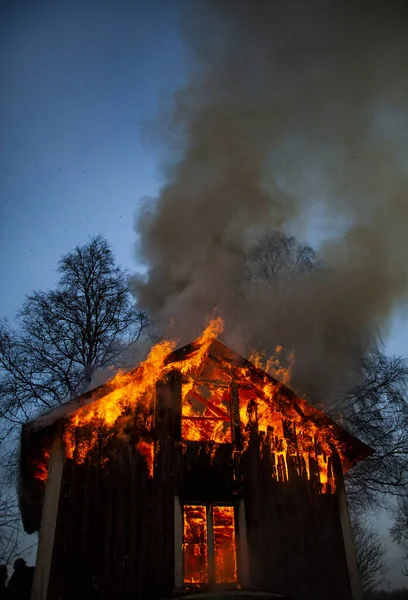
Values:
[(197, 470)]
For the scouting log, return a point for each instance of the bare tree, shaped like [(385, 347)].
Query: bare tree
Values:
[(11, 534), (65, 335), (370, 551), (376, 411), (278, 260), (375, 408), (399, 530), (62, 339), (395, 594)]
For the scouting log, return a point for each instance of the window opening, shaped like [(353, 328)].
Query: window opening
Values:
[(209, 544), (224, 544), (195, 544), (206, 414)]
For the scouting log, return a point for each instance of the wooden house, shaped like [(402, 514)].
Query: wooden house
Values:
[(196, 471)]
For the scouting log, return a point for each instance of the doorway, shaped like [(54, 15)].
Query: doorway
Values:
[(209, 544)]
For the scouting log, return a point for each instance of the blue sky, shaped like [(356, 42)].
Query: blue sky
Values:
[(80, 82)]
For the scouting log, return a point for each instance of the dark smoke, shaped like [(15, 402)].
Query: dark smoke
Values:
[(290, 105)]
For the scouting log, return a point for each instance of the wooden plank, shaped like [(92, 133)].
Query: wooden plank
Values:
[(207, 403), (210, 546), (205, 419), (178, 544), (236, 428), (168, 406), (210, 383), (244, 579), (348, 538), (48, 521)]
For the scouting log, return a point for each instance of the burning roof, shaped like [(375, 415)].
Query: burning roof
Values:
[(215, 379)]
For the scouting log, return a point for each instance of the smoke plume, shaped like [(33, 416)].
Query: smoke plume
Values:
[(292, 108)]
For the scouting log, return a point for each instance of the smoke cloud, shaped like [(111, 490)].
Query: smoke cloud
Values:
[(292, 108)]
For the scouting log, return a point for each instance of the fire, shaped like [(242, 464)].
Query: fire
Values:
[(146, 449), (224, 544), (273, 365), (206, 415), (209, 556), (130, 392), (195, 361), (209, 413), (195, 544), (41, 466)]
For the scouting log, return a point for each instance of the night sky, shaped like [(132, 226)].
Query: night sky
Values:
[(80, 83)]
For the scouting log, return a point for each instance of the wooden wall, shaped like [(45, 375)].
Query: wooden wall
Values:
[(295, 541), (115, 529)]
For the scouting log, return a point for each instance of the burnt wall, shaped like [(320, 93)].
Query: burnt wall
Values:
[(295, 541), (115, 528), (114, 536)]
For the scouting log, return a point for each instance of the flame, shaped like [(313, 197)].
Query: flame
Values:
[(273, 365), (195, 544), (206, 414), (146, 449), (224, 544), (194, 362), (132, 391), (196, 550), (41, 466), (293, 442), (283, 432)]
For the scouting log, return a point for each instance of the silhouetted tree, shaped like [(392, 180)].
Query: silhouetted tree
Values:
[(371, 553), (65, 335), (10, 525), (399, 530), (376, 411), (396, 594), (61, 339), (375, 408)]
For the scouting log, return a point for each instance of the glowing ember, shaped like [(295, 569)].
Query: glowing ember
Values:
[(224, 544), (146, 449), (41, 466), (195, 544)]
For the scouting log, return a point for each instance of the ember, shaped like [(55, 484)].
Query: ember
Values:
[(41, 466)]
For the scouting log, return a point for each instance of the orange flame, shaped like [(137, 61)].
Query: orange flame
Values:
[(146, 449), (41, 466), (292, 441), (273, 365), (195, 544), (224, 544), (131, 391)]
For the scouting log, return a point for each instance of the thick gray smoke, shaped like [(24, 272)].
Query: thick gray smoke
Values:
[(292, 106)]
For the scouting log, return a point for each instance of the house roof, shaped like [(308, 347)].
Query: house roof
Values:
[(221, 365)]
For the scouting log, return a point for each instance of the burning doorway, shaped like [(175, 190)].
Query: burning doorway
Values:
[(209, 544)]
